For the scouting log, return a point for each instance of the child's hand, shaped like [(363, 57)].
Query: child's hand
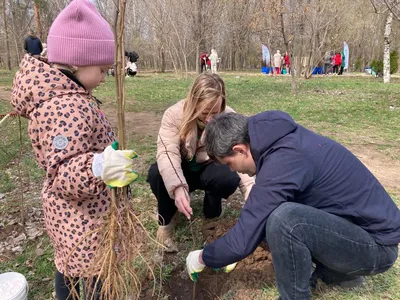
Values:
[(115, 167)]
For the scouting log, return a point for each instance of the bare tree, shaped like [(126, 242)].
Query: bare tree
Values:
[(386, 51), (170, 34), (36, 6), (389, 8), (6, 34)]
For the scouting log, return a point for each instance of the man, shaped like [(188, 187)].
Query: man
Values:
[(33, 45), (313, 201)]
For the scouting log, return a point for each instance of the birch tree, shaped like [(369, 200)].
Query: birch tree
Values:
[(6, 35)]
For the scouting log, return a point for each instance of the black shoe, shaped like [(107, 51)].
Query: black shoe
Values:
[(344, 281)]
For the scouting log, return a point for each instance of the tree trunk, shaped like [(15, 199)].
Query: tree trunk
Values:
[(197, 58), (386, 51), (288, 47), (37, 18), (7, 39), (162, 56), (199, 33)]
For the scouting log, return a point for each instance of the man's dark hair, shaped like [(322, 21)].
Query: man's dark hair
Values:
[(225, 132)]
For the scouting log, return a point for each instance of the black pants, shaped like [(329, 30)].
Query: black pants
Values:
[(340, 70), (336, 69), (131, 73), (203, 67), (218, 182), (64, 286)]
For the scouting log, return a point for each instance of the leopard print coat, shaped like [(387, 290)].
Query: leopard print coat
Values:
[(66, 127)]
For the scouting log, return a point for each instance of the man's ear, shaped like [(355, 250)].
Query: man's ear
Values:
[(240, 149)]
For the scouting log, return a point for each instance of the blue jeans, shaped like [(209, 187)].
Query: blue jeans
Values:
[(298, 234)]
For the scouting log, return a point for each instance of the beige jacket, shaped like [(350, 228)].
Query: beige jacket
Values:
[(171, 150)]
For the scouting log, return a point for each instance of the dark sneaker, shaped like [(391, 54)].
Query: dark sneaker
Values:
[(328, 278)]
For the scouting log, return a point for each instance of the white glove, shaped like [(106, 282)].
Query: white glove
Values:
[(230, 268), (193, 265), (114, 167)]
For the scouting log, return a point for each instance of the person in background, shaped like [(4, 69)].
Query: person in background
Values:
[(32, 45), (277, 61), (130, 68), (286, 60), (327, 62), (337, 60), (343, 58), (214, 61), (203, 62), (183, 165)]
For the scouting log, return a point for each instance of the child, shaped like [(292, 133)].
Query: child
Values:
[(71, 137)]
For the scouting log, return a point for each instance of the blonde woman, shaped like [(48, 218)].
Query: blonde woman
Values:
[(182, 162)]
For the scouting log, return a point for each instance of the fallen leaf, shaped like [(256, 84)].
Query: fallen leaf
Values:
[(46, 279), (39, 252), (29, 263), (20, 238), (17, 249)]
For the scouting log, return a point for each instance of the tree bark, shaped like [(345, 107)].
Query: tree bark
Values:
[(199, 33), (7, 38), (386, 51), (37, 18), (162, 56), (289, 47)]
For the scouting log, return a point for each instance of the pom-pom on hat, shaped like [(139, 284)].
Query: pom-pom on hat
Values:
[(80, 36)]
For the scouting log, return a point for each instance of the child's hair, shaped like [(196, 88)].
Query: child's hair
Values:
[(208, 90), (80, 36)]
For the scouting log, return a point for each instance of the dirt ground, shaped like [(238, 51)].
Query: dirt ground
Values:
[(250, 273)]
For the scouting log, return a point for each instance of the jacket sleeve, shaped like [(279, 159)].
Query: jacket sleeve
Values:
[(168, 155), (276, 182), (65, 141), (26, 45)]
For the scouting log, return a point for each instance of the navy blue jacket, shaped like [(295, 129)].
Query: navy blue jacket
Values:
[(33, 45), (295, 164)]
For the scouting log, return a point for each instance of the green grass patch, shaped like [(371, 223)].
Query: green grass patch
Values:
[(37, 265)]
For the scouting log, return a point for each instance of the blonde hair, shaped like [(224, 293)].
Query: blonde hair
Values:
[(207, 91)]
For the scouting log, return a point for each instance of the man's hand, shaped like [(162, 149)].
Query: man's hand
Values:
[(228, 268), (182, 202), (194, 264)]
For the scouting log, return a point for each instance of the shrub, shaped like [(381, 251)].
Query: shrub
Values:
[(377, 65), (394, 61)]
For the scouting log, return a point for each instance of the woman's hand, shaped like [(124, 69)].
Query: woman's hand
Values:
[(182, 201)]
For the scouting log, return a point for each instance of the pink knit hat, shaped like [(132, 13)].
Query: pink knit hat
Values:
[(80, 36)]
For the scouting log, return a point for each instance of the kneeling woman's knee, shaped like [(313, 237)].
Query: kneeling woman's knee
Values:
[(154, 174), (227, 184), (221, 180)]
